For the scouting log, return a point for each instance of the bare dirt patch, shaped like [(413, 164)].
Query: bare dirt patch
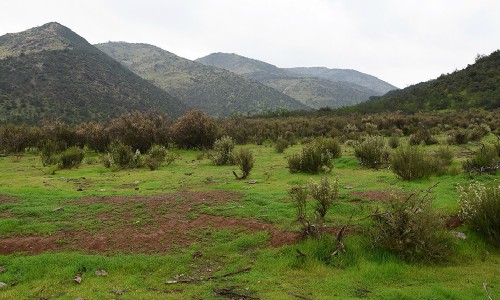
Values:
[(160, 223), (376, 195), (7, 199), (453, 222)]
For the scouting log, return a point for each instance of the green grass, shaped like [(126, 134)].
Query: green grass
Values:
[(276, 273)]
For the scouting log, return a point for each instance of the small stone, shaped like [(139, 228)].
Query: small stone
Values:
[(58, 209), (79, 298), (79, 189), (460, 235), (101, 273), (102, 190), (3, 269), (348, 187), (3, 284), (136, 182), (77, 279), (251, 181), (118, 292)]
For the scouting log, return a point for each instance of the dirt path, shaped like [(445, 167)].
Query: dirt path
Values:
[(170, 220)]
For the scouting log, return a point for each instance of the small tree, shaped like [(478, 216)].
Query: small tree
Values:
[(243, 158), (195, 130), (223, 148)]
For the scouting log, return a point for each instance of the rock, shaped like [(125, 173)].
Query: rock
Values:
[(3, 284), (101, 273), (460, 235), (251, 181), (77, 279), (58, 209), (348, 187), (3, 269)]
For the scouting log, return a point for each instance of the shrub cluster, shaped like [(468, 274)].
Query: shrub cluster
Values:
[(411, 163), (486, 160), (412, 228), (480, 207), (71, 158), (371, 152), (223, 148), (316, 156)]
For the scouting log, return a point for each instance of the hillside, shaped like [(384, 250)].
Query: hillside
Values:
[(214, 90), (352, 76), (314, 91), (50, 72), (476, 86)]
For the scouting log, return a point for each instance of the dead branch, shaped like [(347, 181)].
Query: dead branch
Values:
[(485, 286), (194, 280)]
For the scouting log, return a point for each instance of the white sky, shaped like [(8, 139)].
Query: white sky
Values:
[(400, 41)]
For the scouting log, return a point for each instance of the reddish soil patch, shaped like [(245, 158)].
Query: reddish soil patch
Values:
[(7, 199), (453, 222), (163, 221), (376, 195)]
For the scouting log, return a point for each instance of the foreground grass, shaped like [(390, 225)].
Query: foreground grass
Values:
[(276, 273)]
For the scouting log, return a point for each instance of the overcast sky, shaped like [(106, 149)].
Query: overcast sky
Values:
[(402, 42)]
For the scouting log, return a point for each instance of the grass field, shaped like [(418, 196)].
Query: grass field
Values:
[(218, 237)]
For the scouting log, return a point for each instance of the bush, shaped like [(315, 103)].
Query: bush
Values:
[(411, 163), (394, 141), (223, 148), (281, 144), (441, 160), (486, 160), (324, 193), (49, 151), (316, 156), (195, 130), (243, 158), (411, 228), (459, 137), (156, 156), (120, 155), (480, 208), (371, 152), (422, 135), (71, 158)]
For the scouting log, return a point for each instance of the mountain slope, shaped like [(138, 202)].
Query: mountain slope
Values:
[(51, 72), (216, 91), (352, 76), (476, 86), (311, 90)]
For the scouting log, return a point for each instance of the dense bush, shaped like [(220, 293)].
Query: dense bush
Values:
[(281, 144), (94, 135), (371, 152), (486, 160), (223, 148), (195, 130), (442, 158), (412, 228), (394, 141), (480, 207), (328, 145), (410, 163), (244, 159), (458, 137), (120, 155), (49, 150), (311, 160), (71, 158), (324, 193), (156, 156), (422, 136)]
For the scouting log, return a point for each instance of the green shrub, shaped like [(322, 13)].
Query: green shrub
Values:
[(156, 156), (71, 158), (244, 159), (281, 144), (295, 163), (324, 193), (480, 208), (422, 136), (394, 141), (371, 152), (49, 151), (442, 159), (328, 145), (411, 228), (411, 163), (223, 148), (458, 137), (120, 155), (486, 160), (316, 156)]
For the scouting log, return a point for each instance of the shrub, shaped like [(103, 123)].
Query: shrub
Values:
[(316, 156), (410, 163), (324, 193), (195, 130), (371, 152), (486, 160), (243, 158), (281, 144), (120, 155), (71, 158), (49, 151), (223, 148), (394, 141), (156, 156), (422, 135), (459, 137), (411, 228), (480, 208), (441, 160)]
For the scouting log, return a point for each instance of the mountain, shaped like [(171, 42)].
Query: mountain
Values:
[(214, 90), (51, 72), (476, 86), (346, 75), (311, 89)]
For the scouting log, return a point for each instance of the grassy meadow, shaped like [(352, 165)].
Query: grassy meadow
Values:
[(219, 237)]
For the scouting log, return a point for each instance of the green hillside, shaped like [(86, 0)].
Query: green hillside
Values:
[(476, 86), (216, 91), (314, 91), (50, 72)]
